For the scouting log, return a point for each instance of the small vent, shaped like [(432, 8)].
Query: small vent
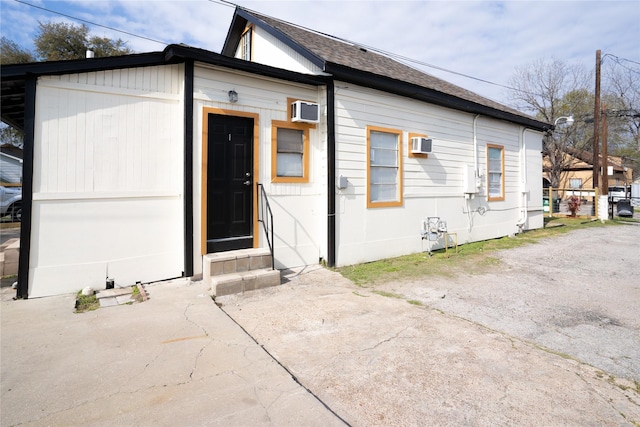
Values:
[(307, 112), (420, 145)]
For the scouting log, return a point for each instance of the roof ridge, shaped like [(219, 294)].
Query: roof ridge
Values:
[(330, 52)]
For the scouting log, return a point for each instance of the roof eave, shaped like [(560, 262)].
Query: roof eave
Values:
[(81, 65), (180, 52), (420, 93), (231, 42)]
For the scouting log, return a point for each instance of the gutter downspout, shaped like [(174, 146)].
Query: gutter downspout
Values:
[(524, 191), (475, 146), (331, 176), (476, 172)]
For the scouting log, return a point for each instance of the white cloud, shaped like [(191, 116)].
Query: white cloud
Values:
[(485, 39)]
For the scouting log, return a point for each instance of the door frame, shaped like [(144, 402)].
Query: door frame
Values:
[(256, 163)]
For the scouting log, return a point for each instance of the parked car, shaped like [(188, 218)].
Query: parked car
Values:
[(11, 202), (617, 193)]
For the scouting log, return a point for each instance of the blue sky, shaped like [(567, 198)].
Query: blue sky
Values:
[(484, 39)]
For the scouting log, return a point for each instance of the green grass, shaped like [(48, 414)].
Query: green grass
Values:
[(86, 303), (472, 258), (387, 294)]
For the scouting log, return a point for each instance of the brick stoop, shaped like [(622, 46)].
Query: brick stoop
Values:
[(238, 271)]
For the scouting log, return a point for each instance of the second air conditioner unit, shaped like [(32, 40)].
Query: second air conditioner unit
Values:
[(307, 112), (421, 145)]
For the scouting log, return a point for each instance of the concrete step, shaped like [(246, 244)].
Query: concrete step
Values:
[(236, 261), (236, 283), (239, 271)]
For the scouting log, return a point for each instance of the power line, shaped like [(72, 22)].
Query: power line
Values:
[(620, 61), (91, 23), (226, 3), (386, 53)]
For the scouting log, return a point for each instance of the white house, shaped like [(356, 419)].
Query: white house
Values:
[(375, 106), (138, 167)]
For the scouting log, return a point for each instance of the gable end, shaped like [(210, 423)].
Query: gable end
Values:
[(240, 22)]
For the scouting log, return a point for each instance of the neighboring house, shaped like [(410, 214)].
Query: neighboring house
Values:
[(578, 170), (137, 166), (10, 165)]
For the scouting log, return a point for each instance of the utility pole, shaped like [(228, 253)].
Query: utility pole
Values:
[(596, 124), (605, 154)]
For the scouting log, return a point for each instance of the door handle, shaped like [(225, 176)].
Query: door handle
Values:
[(247, 183)]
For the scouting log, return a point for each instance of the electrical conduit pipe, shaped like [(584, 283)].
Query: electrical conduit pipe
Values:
[(523, 155)]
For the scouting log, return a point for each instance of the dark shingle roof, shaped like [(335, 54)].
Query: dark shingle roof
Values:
[(340, 58)]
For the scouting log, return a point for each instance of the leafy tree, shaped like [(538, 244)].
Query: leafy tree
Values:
[(11, 53), (103, 46), (61, 41), (9, 135), (55, 41)]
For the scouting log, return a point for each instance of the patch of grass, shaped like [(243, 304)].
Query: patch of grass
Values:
[(472, 258), (415, 302), (86, 303), (135, 295), (387, 294)]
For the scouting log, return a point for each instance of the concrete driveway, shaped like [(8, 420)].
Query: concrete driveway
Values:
[(551, 337), (174, 360)]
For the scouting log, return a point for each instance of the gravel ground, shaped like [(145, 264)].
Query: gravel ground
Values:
[(551, 337), (577, 295)]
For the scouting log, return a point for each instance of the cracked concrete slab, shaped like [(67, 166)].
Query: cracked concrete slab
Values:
[(381, 361), (177, 359), (514, 347)]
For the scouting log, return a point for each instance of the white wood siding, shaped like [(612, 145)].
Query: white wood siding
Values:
[(108, 175), (432, 186), (299, 210), (268, 50)]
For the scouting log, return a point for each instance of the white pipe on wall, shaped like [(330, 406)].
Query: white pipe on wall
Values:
[(524, 191), (475, 146)]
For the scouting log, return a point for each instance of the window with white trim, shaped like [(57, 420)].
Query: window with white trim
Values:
[(495, 172), (575, 183), (384, 177)]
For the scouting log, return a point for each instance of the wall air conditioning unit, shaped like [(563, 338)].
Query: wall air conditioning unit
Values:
[(421, 145), (306, 112)]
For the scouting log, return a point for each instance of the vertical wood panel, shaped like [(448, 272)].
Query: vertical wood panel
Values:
[(92, 141)]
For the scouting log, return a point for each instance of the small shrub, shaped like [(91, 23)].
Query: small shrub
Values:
[(574, 205)]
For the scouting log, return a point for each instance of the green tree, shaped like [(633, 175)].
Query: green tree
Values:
[(11, 53), (103, 46), (55, 41), (10, 135), (61, 41)]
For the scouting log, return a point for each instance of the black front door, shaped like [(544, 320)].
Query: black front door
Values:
[(229, 183)]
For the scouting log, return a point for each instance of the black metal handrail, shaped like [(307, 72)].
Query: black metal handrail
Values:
[(267, 222)]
